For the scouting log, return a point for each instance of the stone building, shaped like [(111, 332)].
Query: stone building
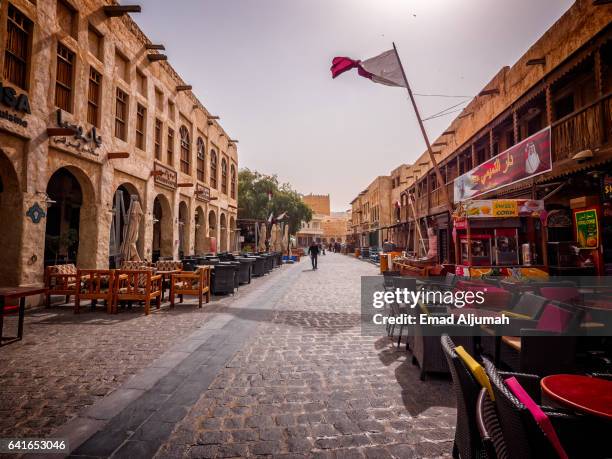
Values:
[(326, 226), (319, 203), (371, 211), (92, 117), (560, 88)]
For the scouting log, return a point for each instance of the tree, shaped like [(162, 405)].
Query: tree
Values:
[(260, 195)]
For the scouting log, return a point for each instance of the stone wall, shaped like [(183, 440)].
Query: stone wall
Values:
[(29, 156)]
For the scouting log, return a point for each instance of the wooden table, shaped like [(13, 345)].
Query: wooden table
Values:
[(10, 293), (166, 275), (581, 393)]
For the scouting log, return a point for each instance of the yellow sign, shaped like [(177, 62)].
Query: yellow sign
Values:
[(505, 208)]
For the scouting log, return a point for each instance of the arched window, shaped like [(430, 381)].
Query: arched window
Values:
[(224, 175), (233, 178), (185, 149), (213, 169), (201, 160)]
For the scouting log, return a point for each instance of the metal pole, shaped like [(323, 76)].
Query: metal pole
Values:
[(422, 126), (424, 132)]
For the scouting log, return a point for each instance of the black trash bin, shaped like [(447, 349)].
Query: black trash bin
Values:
[(246, 269), (259, 265), (236, 266), (223, 281)]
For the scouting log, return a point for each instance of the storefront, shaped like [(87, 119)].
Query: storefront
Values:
[(500, 237)]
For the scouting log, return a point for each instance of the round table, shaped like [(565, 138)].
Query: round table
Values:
[(581, 393)]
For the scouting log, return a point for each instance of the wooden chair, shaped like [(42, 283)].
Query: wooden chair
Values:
[(95, 284), (137, 285), (195, 283), (60, 280)]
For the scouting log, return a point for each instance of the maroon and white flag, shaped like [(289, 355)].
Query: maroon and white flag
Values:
[(384, 68)]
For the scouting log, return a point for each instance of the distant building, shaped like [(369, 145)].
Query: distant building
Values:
[(325, 226)]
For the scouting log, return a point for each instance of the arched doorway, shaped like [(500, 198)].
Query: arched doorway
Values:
[(223, 235), (200, 231), (122, 199), (10, 211), (183, 224), (62, 233), (233, 235), (212, 230), (162, 228)]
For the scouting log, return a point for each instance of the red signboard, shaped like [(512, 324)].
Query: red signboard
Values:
[(526, 159)]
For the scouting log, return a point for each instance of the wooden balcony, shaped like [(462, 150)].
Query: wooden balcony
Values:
[(588, 128)]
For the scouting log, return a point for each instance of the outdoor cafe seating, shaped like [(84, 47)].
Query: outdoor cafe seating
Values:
[(504, 414), (195, 283), (94, 285), (60, 280), (141, 285)]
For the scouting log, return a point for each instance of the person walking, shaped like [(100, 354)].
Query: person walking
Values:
[(313, 251)]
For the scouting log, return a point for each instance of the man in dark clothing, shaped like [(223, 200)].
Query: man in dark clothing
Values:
[(313, 251)]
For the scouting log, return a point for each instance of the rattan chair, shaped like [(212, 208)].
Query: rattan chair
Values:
[(467, 438), (489, 428), (581, 436)]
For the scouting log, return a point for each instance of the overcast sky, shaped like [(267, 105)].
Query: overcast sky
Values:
[(263, 66)]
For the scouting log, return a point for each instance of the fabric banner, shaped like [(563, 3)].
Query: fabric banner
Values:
[(526, 159), (383, 69)]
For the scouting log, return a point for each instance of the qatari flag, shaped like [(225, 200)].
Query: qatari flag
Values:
[(384, 68)]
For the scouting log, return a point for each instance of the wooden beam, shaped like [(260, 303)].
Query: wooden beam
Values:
[(185, 185), (465, 115), (489, 92), (449, 132), (113, 11), (439, 144), (536, 61), (118, 155), (214, 117), (183, 87), (233, 140), (60, 131), (157, 57), (152, 46)]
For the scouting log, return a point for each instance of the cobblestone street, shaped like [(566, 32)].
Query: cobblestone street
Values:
[(279, 369)]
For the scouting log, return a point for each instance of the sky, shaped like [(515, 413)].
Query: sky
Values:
[(263, 66)]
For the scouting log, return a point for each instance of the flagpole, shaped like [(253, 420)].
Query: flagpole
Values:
[(434, 163)]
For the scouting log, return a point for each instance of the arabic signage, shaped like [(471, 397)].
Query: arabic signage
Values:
[(165, 176), (587, 228), (498, 208), (18, 102), (85, 142), (526, 159), (202, 192)]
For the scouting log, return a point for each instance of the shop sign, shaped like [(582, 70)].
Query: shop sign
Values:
[(587, 228), (606, 188), (498, 208), (18, 102), (84, 142), (526, 159), (164, 176), (202, 192)]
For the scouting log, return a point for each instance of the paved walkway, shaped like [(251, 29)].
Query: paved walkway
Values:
[(280, 370)]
